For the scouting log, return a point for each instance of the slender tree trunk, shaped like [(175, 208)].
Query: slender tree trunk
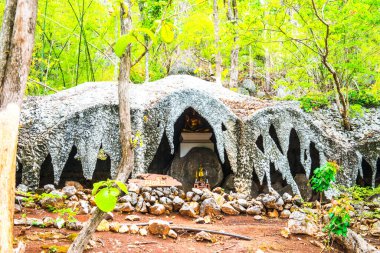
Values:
[(218, 56), (250, 71), (147, 78), (267, 57), (16, 43), (126, 163), (232, 16)]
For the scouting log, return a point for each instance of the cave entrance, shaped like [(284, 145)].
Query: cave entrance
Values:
[(366, 179), (194, 146), (73, 171)]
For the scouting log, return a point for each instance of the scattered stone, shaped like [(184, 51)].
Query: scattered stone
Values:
[(363, 227), (195, 206), (258, 217), (285, 214), (132, 187), (177, 203), (84, 207), (52, 201), (104, 226), (74, 225), (69, 190), (159, 227), (48, 222), (114, 226), (123, 228), (228, 209), (204, 236), (134, 229), (143, 232), (254, 210), (209, 207), (125, 207), (59, 223), (108, 216), (269, 201), (157, 209), (172, 234), (78, 186), (22, 188), (287, 197), (17, 208), (132, 217), (74, 198), (200, 220), (49, 188), (187, 210), (299, 223), (375, 230), (273, 213), (125, 199), (189, 196)]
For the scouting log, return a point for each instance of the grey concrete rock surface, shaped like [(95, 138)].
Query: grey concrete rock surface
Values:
[(87, 116)]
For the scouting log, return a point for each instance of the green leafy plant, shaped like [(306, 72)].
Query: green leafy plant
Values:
[(106, 193), (364, 98), (67, 213), (356, 111), (324, 176), (339, 217), (313, 101)]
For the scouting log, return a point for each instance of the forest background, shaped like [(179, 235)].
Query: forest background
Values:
[(289, 49)]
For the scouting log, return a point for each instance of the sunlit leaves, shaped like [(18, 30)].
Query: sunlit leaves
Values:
[(106, 194), (167, 32)]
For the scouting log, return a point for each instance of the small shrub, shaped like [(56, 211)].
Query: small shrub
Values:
[(313, 101), (364, 98), (339, 217), (324, 176), (106, 194)]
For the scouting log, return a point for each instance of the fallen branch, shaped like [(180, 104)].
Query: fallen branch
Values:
[(211, 231), (143, 224)]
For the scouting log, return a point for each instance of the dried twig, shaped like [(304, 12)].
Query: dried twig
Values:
[(211, 231)]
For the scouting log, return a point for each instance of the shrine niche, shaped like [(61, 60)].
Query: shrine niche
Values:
[(194, 146)]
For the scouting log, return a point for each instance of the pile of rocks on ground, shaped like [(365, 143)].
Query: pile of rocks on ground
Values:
[(165, 200)]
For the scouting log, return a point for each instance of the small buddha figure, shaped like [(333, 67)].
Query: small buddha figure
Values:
[(201, 174), (194, 123)]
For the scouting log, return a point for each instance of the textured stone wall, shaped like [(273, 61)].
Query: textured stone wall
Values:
[(87, 116)]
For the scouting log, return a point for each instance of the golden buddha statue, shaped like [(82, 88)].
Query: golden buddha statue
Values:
[(194, 123)]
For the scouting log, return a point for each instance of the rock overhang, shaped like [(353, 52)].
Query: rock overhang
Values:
[(87, 116)]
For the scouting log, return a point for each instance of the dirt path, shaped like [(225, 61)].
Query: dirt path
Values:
[(265, 235)]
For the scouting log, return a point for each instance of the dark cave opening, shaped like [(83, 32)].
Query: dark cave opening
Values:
[(377, 178), (294, 154), (366, 179), (73, 171), (19, 174), (163, 158), (315, 160), (46, 172), (277, 182), (260, 143), (273, 135)]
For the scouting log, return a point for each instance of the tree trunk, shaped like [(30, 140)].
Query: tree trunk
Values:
[(250, 72), (6, 35), (218, 56), (126, 163), (232, 16), (16, 43)]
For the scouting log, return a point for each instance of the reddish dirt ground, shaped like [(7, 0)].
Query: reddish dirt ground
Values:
[(265, 235)]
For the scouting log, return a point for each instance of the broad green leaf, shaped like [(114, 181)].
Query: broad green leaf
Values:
[(105, 200), (114, 191), (122, 186), (122, 43), (96, 187), (167, 32)]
